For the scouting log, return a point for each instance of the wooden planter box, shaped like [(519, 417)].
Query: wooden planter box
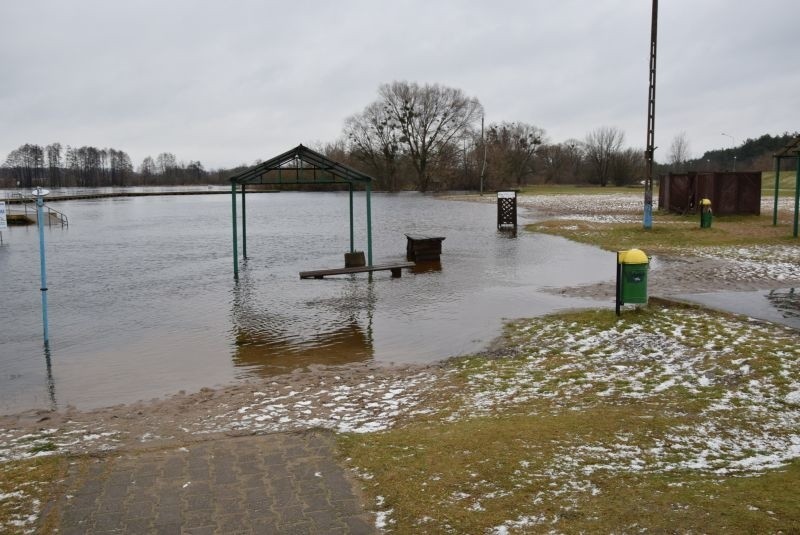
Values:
[(424, 248)]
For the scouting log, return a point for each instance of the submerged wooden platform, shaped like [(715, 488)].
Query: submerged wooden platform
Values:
[(394, 268)]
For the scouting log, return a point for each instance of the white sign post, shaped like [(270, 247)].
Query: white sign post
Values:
[(3, 223)]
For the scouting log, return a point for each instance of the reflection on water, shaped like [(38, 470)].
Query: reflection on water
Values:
[(427, 267), (51, 383), (786, 301), (269, 341), (779, 306)]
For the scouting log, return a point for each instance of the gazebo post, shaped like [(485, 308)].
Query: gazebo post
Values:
[(235, 245), (244, 226), (352, 249), (777, 181), (369, 225)]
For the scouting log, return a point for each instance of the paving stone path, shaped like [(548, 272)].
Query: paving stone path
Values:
[(278, 483)]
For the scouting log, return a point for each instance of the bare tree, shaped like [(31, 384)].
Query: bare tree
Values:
[(626, 166), (679, 152), (374, 138), (601, 145), (166, 164), (26, 165), (147, 170), (431, 120), (54, 164), (511, 148)]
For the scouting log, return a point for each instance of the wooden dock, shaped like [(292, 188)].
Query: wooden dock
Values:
[(396, 270)]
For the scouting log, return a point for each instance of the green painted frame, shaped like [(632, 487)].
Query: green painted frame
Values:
[(299, 165), (784, 153)]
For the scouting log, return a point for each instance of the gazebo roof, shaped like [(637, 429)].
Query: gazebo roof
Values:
[(790, 150), (300, 165)]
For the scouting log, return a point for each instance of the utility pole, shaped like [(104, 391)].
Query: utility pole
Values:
[(733, 148), (651, 123), (483, 166)]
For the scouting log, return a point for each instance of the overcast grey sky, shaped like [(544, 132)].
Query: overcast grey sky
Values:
[(231, 82)]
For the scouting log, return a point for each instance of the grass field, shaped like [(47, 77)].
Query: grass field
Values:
[(672, 233), (672, 420), (786, 186), (26, 487)]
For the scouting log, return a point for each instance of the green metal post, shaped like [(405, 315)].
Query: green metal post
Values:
[(244, 226), (369, 225), (777, 180), (235, 245), (796, 193), (352, 249)]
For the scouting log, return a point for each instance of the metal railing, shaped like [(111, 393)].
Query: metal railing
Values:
[(51, 213)]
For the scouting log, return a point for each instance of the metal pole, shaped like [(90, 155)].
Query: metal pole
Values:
[(483, 165), (235, 245), (619, 288), (39, 204), (352, 246), (796, 193), (733, 148), (777, 181), (244, 226), (651, 123), (369, 225)]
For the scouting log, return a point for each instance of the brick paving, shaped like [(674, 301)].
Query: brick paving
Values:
[(279, 483)]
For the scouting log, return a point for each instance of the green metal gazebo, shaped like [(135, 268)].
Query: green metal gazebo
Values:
[(299, 165), (792, 150)]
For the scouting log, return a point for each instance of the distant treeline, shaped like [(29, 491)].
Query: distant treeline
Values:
[(89, 167), (415, 137), (752, 155)]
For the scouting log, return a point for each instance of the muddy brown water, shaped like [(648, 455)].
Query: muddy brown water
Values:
[(142, 300)]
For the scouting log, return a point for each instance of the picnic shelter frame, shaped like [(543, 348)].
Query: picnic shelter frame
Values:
[(791, 150), (299, 165)]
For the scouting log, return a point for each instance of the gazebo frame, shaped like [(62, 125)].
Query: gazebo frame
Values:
[(792, 150), (299, 165)]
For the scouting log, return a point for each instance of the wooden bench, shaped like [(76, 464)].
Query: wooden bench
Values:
[(394, 268)]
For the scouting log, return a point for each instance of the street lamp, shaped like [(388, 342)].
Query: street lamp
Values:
[(733, 146), (40, 194)]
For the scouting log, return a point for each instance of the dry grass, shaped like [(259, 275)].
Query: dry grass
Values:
[(671, 233), (661, 421), (26, 488)]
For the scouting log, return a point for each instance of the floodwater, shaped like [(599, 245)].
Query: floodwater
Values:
[(142, 300), (778, 306)]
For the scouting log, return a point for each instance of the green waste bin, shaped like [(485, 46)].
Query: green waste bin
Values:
[(633, 265), (705, 213)]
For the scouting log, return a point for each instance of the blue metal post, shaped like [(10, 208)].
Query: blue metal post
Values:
[(369, 225), (648, 214), (235, 244), (777, 184), (39, 215)]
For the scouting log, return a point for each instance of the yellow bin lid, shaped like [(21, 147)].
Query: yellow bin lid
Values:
[(632, 256), (705, 202)]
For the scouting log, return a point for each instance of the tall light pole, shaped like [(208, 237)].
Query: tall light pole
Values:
[(651, 123), (40, 193), (733, 147), (483, 165)]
